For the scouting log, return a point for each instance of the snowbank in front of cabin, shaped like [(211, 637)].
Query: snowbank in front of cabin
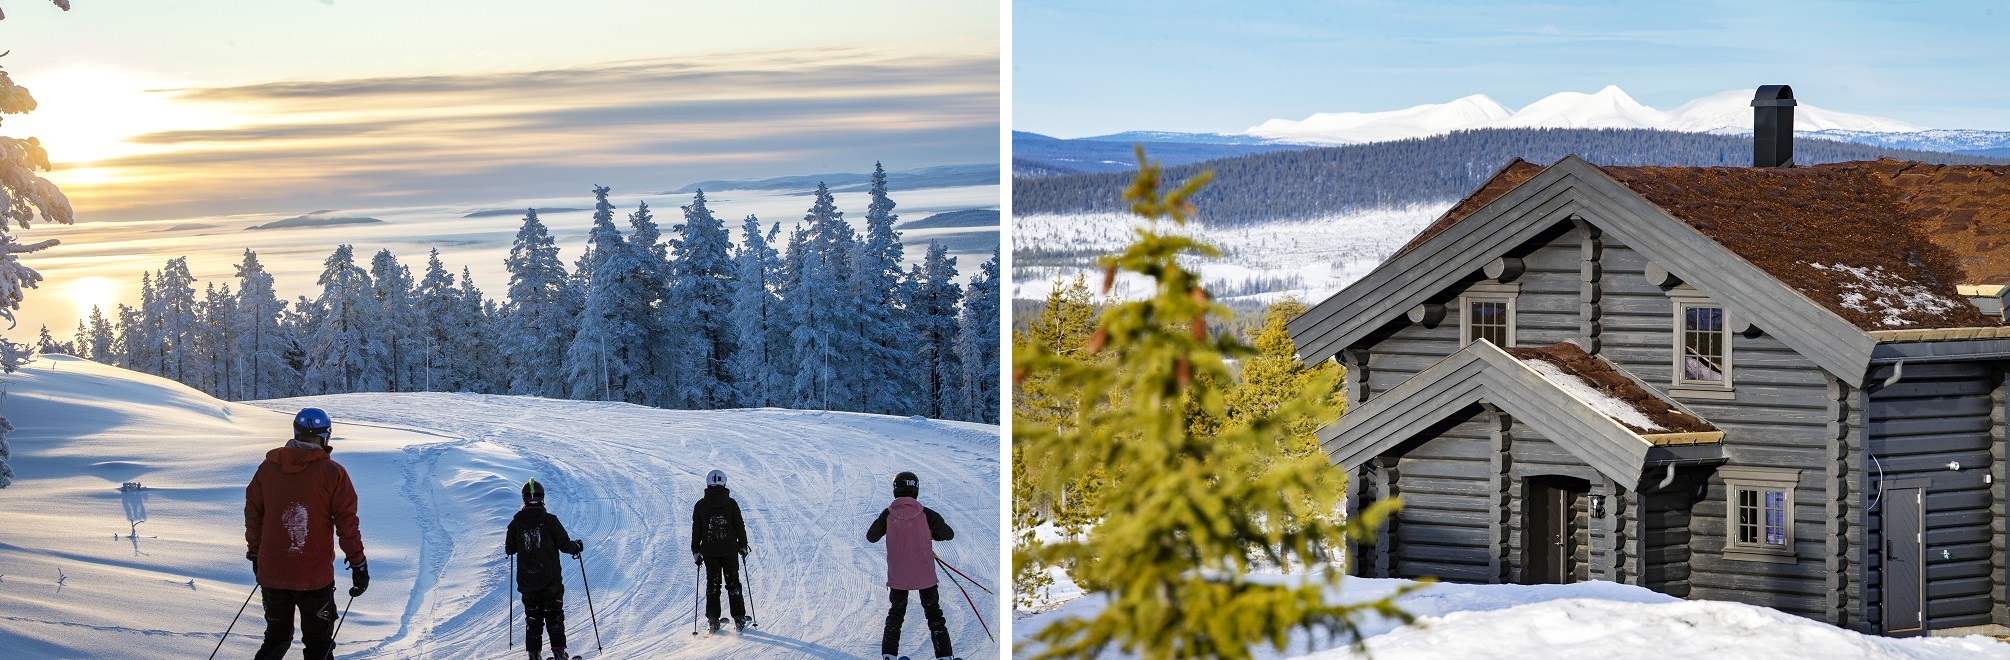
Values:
[(437, 477), (1588, 620)]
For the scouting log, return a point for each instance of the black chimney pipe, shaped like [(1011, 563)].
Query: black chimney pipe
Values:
[(1773, 126)]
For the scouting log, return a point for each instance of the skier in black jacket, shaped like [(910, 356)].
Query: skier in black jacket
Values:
[(536, 538), (718, 541)]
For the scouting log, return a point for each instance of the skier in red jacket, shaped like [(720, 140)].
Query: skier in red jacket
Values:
[(297, 503), (910, 530)]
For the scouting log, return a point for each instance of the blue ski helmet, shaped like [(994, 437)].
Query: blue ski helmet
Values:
[(312, 421)]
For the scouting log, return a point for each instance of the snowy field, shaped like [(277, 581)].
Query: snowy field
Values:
[(1587, 620), (99, 263), (438, 476), (1309, 259)]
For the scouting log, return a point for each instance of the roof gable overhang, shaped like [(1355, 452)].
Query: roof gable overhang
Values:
[(1482, 373), (1573, 188)]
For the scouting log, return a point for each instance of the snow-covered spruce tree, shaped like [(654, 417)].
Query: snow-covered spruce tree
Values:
[(1185, 512), (23, 196), (220, 368), (174, 291), (478, 355), (126, 340), (604, 360), (656, 360), (144, 342), (758, 331), (704, 299), (258, 341), (931, 317), (97, 344), (887, 383), (538, 321), (977, 346), (337, 340), (823, 311), (397, 345), (439, 310), (45, 343)]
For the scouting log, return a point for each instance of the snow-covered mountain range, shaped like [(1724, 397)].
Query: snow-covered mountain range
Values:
[(1727, 112)]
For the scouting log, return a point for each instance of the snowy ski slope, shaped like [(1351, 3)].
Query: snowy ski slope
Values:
[(437, 475)]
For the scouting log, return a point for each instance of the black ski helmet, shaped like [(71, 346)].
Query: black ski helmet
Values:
[(533, 492), (312, 421), (906, 484)]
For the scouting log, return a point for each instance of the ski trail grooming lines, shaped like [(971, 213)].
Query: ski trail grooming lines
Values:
[(233, 620), (595, 616)]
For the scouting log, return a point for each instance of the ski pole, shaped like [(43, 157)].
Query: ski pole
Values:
[(973, 581), (233, 620), (338, 627), (973, 606), (747, 579), (510, 601), (589, 603), (697, 592)]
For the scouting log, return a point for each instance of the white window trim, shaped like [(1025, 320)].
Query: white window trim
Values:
[(1487, 292), (1740, 478), (1685, 298)]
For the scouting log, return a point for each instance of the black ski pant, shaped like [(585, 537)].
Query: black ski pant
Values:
[(931, 607), (317, 622), (727, 567), (544, 610)]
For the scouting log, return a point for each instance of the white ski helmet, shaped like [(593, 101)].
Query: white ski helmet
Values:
[(715, 478)]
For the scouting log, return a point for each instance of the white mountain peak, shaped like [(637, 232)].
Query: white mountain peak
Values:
[(1610, 107)]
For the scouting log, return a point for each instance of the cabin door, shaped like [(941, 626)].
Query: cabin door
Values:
[(1551, 529), (1904, 558)]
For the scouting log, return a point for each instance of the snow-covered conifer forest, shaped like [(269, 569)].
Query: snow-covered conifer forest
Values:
[(808, 315)]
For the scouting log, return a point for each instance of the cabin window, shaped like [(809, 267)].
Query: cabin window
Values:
[(1759, 518), (1487, 315), (1702, 349)]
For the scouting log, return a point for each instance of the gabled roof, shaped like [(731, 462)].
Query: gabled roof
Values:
[(1574, 417), (1573, 188)]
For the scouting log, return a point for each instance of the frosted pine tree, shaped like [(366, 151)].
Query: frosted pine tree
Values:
[(886, 380), (337, 343), (45, 343), (477, 354), (23, 195), (757, 319), (704, 299), (258, 340), (174, 291), (821, 309), (931, 314), (603, 358), (656, 361), (977, 346), (538, 323), (439, 309), (97, 344), (397, 343), (125, 342), (144, 343)]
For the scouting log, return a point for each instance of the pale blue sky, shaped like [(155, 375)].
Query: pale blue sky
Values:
[(1085, 68)]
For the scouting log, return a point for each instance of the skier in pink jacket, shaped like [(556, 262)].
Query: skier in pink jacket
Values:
[(910, 530)]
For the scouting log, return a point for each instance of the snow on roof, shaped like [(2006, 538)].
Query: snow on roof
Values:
[(1605, 388), (1887, 295)]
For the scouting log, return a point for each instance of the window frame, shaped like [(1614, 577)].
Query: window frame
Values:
[(1685, 299), (1740, 479), (1487, 292)]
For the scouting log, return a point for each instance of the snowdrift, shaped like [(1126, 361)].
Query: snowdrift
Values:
[(1588, 620), (89, 570)]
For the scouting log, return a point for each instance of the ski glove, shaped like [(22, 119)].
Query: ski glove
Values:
[(253, 556), (744, 550), (359, 578), (698, 558), (575, 548)]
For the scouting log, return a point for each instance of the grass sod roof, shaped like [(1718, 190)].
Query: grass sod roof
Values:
[(1600, 375), (1882, 244)]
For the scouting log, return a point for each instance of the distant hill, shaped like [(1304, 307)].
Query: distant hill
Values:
[(312, 221), (1999, 152), (963, 218), (1316, 182), (489, 213), (945, 176), (962, 242), (1034, 154)]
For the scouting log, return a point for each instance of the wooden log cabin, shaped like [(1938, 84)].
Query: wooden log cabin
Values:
[(1776, 385)]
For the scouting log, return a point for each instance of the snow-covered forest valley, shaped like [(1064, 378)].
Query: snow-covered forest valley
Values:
[(156, 568), (814, 316)]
